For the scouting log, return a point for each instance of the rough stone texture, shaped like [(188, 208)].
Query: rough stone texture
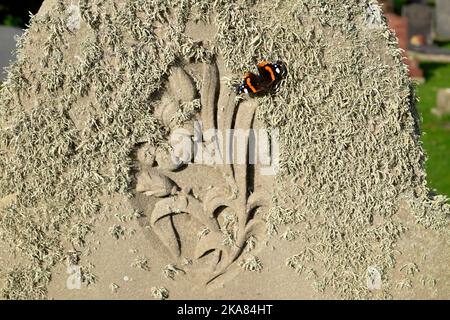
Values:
[(350, 195)]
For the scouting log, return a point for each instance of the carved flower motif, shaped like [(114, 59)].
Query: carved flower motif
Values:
[(225, 211)]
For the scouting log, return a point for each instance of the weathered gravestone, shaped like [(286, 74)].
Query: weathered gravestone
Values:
[(442, 24), (443, 102), (420, 23)]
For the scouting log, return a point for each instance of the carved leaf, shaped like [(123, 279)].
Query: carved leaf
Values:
[(153, 183), (166, 109), (169, 206), (219, 110), (181, 85), (208, 95), (208, 243), (165, 230), (146, 154), (254, 226), (255, 200), (215, 198), (244, 121), (195, 208), (162, 221), (166, 160)]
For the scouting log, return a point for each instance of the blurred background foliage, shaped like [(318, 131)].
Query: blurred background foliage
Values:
[(436, 137), (435, 130)]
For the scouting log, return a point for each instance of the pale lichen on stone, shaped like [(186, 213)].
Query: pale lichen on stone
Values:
[(74, 17)]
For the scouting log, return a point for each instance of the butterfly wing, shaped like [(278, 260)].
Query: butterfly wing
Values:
[(251, 83)]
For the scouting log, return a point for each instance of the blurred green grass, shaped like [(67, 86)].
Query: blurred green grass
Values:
[(15, 13), (436, 130), (443, 44)]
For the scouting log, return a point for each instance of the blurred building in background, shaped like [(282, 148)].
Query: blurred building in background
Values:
[(417, 29), (399, 25), (443, 20)]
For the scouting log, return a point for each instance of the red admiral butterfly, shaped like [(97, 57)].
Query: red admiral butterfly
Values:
[(269, 74)]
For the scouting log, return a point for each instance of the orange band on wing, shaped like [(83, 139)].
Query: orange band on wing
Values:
[(249, 83), (263, 63), (272, 75)]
